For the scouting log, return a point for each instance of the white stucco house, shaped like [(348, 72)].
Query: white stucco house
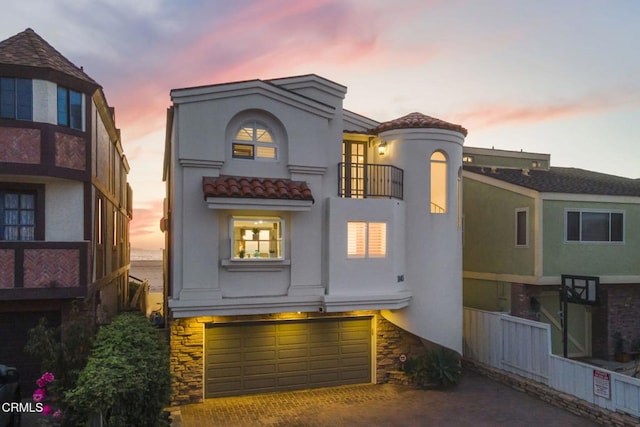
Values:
[(297, 232)]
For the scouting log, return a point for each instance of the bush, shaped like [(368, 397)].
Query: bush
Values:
[(64, 349), (437, 368), (127, 377)]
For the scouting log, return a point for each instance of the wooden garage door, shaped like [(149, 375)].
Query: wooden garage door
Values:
[(244, 358)]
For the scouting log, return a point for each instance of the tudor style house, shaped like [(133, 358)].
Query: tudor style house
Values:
[(528, 223), (298, 233), (65, 204)]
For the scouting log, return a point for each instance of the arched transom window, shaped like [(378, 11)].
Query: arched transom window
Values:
[(254, 141), (438, 183)]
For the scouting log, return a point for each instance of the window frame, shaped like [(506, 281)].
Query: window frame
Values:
[(581, 212), (367, 249), (254, 144), (517, 226), (22, 98), (258, 218), (37, 190), (435, 208), (65, 116)]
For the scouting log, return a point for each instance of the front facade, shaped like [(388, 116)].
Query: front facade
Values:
[(527, 224), (65, 204), (298, 231)]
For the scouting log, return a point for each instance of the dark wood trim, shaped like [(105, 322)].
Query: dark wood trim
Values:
[(104, 281), (54, 76), (18, 268), (40, 293)]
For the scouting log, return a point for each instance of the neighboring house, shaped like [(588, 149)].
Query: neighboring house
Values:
[(298, 235), (65, 204), (527, 223)]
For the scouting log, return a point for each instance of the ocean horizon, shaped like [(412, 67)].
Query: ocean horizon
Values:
[(146, 254)]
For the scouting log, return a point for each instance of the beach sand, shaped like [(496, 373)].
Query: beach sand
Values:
[(150, 270)]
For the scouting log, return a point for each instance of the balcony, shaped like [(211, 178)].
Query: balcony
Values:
[(43, 270), (358, 181)]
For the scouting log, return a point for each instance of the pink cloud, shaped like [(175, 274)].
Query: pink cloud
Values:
[(146, 220), (494, 115)]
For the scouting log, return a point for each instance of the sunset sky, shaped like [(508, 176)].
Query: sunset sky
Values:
[(548, 76)]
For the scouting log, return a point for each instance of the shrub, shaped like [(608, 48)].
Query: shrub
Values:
[(63, 349), (437, 368), (127, 377)]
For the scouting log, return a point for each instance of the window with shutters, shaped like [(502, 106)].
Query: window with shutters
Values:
[(366, 239)]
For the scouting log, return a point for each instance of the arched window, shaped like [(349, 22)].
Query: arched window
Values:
[(438, 183), (254, 140)]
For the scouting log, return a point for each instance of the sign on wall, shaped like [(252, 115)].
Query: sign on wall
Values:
[(602, 384)]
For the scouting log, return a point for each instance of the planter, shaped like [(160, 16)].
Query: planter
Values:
[(623, 357)]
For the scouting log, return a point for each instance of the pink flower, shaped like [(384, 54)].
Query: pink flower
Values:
[(57, 414), (41, 383), (48, 377), (46, 409), (38, 395)]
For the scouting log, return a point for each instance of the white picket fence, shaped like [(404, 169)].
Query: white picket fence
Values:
[(523, 347)]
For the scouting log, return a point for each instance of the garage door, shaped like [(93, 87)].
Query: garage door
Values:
[(245, 358), (14, 333)]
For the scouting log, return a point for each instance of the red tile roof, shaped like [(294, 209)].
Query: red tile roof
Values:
[(417, 120), (255, 188), (29, 49)]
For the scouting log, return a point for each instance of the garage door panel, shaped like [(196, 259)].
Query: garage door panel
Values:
[(287, 355), (252, 356), (290, 353)]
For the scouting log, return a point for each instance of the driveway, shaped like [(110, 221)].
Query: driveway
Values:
[(476, 401)]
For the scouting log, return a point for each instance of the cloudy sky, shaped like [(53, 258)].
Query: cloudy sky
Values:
[(548, 76)]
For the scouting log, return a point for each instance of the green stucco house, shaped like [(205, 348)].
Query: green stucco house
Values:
[(527, 223)]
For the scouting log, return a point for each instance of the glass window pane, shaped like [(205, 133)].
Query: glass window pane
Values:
[(573, 226), (63, 114), (595, 226), (27, 201), (26, 233), (11, 201), (7, 98), (243, 151), (10, 232), (75, 107), (356, 238), (377, 245), (265, 152), (27, 218), (438, 183), (521, 228), (24, 103), (617, 227), (263, 135), (11, 217), (245, 134)]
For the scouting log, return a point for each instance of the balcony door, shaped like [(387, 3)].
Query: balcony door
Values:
[(354, 155)]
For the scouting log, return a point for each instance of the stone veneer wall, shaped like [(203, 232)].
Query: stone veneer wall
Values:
[(187, 347)]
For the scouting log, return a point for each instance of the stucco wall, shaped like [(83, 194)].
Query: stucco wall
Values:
[(600, 258), (489, 230)]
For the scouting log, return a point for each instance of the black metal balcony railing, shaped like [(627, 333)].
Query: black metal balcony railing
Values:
[(359, 181)]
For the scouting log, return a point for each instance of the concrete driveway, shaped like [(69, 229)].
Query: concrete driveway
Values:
[(476, 401)]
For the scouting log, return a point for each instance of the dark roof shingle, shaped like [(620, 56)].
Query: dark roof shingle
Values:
[(29, 49), (563, 180), (417, 120), (255, 188)]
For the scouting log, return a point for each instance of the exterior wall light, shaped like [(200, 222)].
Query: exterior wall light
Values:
[(382, 148)]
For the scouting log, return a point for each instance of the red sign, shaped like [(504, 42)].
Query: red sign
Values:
[(602, 384)]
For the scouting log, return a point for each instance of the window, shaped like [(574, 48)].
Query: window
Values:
[(522, 227), (257, 238), (366, 239), (17, 215), (594, 226), (69, 108), (438, 183), (467, 159), (254, 141), (16, 99)]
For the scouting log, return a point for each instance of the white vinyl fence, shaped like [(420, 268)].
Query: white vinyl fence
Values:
[(523, 347)]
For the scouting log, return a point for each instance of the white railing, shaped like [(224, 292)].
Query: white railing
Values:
[(523, 347)]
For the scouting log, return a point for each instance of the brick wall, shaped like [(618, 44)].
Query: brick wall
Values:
[(70, 151), (19, 145), (622, 312)]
